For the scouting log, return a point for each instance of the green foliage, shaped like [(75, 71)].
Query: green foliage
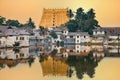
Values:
[(82, 65), (83, 21), (80, 15), (10, 22), (54, 52), (62, 43), (30, 61), (16, 44), (72, 25), (16, 50), (70, 13), (2, 20), (53, 34), (91, 14), (30, 23), (58, 43), (42, 29), (16, 23)]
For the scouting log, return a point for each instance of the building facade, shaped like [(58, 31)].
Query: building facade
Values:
[(54, 17), (77, 38), (11, 35)]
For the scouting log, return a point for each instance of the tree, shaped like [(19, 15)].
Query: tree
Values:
[(90, 24), (53, 34), (42, 29), (30, 61), (83, 21), (10, 22), (54, 52), (30, 23), (91, 14), (70, 13), (2, 20), (80, 15), (72, 25)]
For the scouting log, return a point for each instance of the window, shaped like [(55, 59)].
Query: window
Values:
[(84, 36), (77, 40), (65, 50), (96, 32), (22, 55), (16, 56), (77, 36), (21, 38), (84, 50), (16, 38), (71, 36), (0, 42), (71, 50), (53, 24)]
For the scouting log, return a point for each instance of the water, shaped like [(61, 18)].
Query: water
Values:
[(71, 62)]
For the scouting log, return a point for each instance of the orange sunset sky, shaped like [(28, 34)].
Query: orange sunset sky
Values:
[(107, 11)]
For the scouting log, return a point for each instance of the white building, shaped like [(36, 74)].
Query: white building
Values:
[(98, 35), (113, 34), (98, 31), (77, 38), (61, 32), (11, 35)]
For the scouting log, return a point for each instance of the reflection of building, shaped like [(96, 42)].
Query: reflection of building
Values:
[(113, 34), (98, 35), (77, 49), (13, 63), (22, 53), (98, 52), (11, 57), (54, 17), (113, 51), (9, 63), (54, 66)]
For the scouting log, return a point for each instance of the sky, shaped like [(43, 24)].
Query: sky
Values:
[(107, 11)]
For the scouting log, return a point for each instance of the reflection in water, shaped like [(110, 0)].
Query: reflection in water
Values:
[(13, 57), (66, 66), (66, 61), (83, 65), (55, 66)]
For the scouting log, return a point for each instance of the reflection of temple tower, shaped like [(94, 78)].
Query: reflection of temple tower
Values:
[(53, 66), (54, 17)]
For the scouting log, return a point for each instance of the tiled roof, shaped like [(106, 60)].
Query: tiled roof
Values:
[(98, 29), (78, 33), (7, 31), (112, 30)]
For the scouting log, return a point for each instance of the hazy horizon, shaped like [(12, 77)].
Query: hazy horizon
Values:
[(107, 12)]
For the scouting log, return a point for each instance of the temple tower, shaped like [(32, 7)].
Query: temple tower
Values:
[(54, 17)]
